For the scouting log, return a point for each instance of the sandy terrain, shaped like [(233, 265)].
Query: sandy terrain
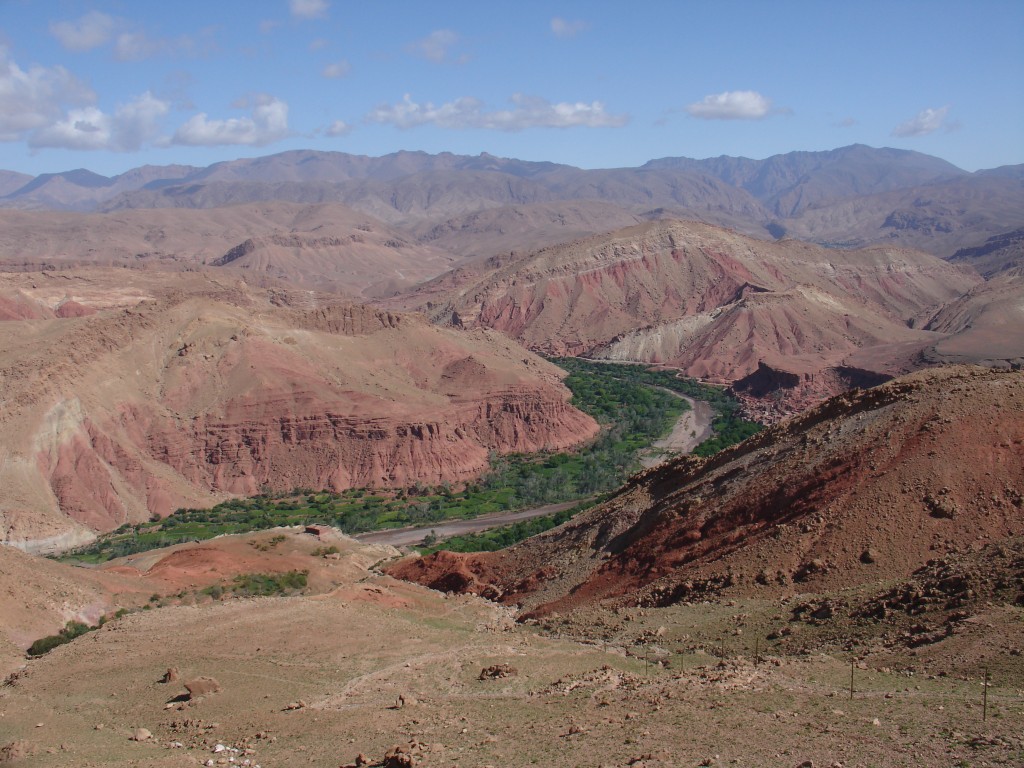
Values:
[(689, 431)]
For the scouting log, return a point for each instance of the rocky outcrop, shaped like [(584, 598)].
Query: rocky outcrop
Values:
[(771, 393)]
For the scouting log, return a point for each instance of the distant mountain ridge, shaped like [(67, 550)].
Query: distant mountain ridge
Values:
[(789, 184), (847, 197)]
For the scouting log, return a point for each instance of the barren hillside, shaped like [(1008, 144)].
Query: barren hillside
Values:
[(325, 247)]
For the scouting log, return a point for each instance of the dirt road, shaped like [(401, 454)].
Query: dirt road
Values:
[(404, 537)]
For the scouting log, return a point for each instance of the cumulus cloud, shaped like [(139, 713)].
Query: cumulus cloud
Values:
[(731, 105), (924, 122), (91, 31), (34, 98), (469, 113), (309, 9), (337, 69), (338, 128), (435, 46), (268, 123), (126, 130), (565, 28)]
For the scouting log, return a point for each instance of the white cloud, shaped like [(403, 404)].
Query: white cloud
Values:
[(86, 128), (309, 9), (130, 126), (469, 113), (318, 43), (847, 122), (34, 98), (731, 105), (337, 69), (566, 28), (338, 128), (924, 122), (434, 47), (268, 123), (135, 46), (91, 31), (130, 41)]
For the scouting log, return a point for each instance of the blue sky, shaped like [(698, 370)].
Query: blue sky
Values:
[(113, 85)]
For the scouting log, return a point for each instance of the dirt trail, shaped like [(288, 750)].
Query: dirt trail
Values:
[(404, 537)]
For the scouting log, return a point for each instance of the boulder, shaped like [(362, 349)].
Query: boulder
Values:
[(201, 686)]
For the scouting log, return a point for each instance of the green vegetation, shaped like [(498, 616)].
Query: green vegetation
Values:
[(71, 630), (633, 404), (729, 427), (267, 584)]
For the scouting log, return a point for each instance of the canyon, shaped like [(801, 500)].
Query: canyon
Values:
[(842, 588)]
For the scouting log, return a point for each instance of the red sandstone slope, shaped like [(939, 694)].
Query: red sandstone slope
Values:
[(866, 487), (211, 390), (700, 297)]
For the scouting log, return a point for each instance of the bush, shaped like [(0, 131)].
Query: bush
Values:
[(71, 630), (267, 584)]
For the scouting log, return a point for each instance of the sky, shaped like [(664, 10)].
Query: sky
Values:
[(113, 85)]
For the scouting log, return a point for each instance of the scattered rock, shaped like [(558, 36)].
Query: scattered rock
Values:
[(141, 734), (941, 508), (496, 671), (291, 706), (170, 676), (15, 750)]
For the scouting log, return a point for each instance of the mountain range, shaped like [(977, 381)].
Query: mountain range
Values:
[(851, 196)]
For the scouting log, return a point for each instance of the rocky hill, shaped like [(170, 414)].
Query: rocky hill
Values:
[(867, 487), (192, 389), (707, 300)]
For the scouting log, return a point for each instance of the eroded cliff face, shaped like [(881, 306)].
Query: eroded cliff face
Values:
[(128, 414)]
